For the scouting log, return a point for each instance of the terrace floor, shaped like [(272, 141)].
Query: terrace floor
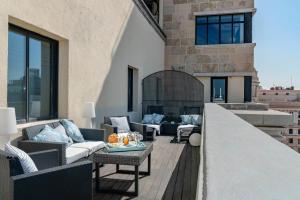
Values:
[(174, 174)]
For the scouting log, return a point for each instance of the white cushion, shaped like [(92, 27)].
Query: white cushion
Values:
[(121, 123), (26, 162), (155, 127), (91, 146), (74, 154)]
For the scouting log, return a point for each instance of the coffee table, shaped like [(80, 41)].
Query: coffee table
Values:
[(132, 158)]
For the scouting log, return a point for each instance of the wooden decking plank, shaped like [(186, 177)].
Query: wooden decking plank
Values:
[(173, 175), (186, 192)]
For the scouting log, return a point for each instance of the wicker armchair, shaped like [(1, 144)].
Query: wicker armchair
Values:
[(147, 132), (52, 181)]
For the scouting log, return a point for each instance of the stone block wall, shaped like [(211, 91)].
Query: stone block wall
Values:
[(181, 53)]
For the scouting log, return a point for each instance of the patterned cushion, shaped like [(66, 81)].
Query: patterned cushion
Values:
[(186, 119), (196, 119), (157, 118), (121, 123), (72, 130), (148, 119), (26, 162), (50, 135)]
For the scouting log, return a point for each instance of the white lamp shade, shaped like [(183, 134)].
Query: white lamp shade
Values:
[(89, 110), (8, 122)]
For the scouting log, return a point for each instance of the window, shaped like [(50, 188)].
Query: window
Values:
[(130, 89), (224, 29), (290, 131), (32, 75), (290, 140), (247, 88), (298, 141), (219, 89), (299, 131)]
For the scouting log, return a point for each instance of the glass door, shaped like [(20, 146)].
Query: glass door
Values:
[(219, 90)]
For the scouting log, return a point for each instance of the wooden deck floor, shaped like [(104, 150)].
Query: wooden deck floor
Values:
[(174, 174)]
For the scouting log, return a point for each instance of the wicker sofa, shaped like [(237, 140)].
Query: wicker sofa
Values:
[(67, 155), (50, 182)]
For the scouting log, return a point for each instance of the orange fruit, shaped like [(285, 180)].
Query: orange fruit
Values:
[(126, 140), (113, 138)]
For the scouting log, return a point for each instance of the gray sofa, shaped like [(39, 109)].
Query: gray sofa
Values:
[(67, 155), (52, 181)]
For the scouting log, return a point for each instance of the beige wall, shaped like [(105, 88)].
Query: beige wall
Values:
[(235, 89), (97, 41)]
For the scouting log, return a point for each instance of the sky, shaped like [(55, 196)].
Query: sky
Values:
[(276, 32)]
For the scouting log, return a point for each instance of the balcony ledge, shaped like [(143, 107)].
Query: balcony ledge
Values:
[(239, 161)]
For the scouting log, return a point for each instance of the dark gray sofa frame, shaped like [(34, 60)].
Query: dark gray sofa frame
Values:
[(147, 132), (29, 145), (52, 181)]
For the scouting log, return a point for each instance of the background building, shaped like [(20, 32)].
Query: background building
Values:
[(285, 100), (213, 41)]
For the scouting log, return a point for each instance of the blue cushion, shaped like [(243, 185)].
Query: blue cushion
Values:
[(157, 118), (148, 119), (196, 120), (50, 135), (186, 119), (72, 130)]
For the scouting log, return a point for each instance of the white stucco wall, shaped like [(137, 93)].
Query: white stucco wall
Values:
[(242, 162), (97, 41)]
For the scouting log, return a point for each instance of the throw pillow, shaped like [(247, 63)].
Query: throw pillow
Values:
[(26, 162), (186, 119), (50, 135), (157, 118), (196, 119), (121, 123), (148, 119), (72, 130), (60, 129)]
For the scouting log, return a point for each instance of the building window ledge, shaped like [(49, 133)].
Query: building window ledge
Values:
[(221, 12), (228, 45)]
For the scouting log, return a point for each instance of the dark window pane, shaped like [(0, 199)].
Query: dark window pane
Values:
[(238, 33), (219, 90), (16, 95), (201, 37), (226, 18), (213, 19), (238, 18), (130, 89), (226, 33), (201, 19), (213, 33), (39, 80)]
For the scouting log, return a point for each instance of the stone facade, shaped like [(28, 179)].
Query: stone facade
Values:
[(181, 53)]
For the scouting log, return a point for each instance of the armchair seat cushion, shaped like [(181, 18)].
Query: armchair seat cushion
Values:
[(91, 146), (73, 154)]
